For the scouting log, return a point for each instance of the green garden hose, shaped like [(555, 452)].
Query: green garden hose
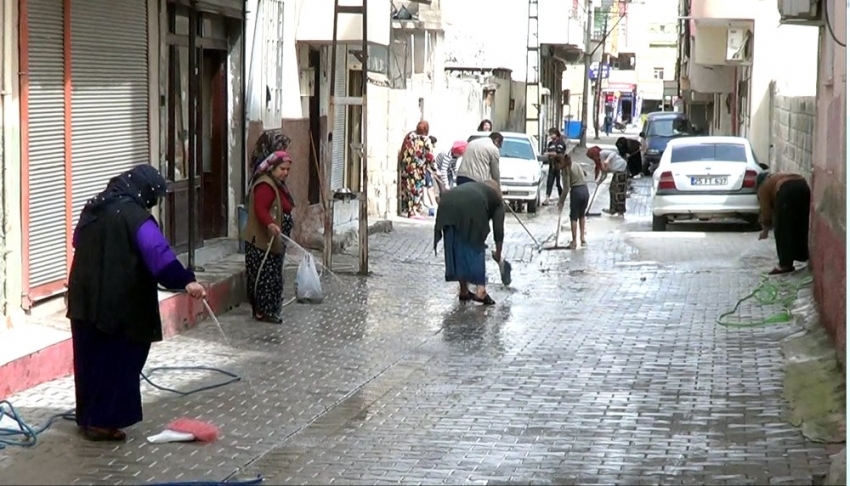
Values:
[(769, 292)]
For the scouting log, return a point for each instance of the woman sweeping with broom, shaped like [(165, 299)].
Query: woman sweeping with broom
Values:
[(463, 221), (574, 184), (120, 257)]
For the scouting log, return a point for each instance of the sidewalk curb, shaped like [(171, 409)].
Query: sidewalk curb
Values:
[(179, 313)]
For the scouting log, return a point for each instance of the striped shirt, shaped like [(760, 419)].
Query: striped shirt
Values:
[(446, 166)]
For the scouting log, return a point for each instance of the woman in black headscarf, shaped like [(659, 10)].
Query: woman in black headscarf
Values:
[(120, 257)]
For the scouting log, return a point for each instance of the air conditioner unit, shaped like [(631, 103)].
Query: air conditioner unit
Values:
[(802, 12)]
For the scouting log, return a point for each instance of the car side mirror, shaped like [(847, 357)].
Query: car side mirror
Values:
[(642, 135), (541, 158)]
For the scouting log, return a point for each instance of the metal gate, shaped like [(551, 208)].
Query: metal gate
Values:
[(109, 69), (340, 111), (45, 243)]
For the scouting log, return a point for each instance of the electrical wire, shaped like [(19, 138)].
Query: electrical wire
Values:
[(829, 24)]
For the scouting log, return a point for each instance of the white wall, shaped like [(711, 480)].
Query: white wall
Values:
[(774, 46), (315, 21)]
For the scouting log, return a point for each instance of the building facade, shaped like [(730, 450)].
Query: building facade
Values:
[(102, 87), (828, 177), (732, 52)]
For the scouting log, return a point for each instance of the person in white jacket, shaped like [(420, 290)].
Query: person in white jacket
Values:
[(481, 160)]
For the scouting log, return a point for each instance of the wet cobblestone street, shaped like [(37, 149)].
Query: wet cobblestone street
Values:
[(598, 366)]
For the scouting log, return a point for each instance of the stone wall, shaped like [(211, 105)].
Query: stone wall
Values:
[(792, 134)]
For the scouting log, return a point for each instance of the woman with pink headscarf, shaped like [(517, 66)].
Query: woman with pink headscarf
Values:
[(270, 207)]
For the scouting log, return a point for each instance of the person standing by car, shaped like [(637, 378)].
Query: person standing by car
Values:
[(556, 146), (485, 126), (609, 161), (629, 149), (784, 200), (575, 184), (481, 160)]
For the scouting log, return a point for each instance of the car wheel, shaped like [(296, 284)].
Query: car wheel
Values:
[(659, 223), (531, 206)]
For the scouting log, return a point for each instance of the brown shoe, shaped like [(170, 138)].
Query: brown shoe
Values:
[(99, 434)]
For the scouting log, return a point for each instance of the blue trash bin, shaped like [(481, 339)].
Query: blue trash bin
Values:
[(572, 129)]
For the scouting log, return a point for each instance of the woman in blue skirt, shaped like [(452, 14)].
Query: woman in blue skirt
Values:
[(463, 222)]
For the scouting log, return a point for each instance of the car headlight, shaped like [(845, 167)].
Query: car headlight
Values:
[(652, 152)]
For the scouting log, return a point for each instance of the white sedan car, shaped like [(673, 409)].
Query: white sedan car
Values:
[(705, 178), (521, 168)]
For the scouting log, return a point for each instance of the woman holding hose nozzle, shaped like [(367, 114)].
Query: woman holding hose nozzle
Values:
[(269, 216), (113, 304)]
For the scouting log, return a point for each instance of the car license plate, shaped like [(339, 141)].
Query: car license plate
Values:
[(513, 193), (709, 181)]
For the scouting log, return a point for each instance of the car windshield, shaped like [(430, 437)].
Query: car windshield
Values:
[(517, 148), (723, 152), (664, 127)]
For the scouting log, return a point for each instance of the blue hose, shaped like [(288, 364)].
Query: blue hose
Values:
[(26, 435)]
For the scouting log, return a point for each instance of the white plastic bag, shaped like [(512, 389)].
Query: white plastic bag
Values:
[(308, 287)]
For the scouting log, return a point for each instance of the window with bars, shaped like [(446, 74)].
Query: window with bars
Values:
[(272, 18)]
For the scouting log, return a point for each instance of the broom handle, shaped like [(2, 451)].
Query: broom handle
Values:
[(592, 198), (558, 231)]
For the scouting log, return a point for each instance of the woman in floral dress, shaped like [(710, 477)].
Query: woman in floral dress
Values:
[(415, 158)]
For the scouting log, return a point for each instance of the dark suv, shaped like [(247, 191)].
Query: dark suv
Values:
[(658, 129)]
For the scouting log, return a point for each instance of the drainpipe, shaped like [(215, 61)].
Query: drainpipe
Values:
[(734, 103), (5, 100), (243, 161)]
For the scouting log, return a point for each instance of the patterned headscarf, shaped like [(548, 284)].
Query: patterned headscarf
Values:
[(142, 185), (269, 142)]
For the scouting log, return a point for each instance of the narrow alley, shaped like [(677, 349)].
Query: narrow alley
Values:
[(598, 366)]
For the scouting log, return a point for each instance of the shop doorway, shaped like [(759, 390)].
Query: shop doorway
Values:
[(213, 153), (626, 110)]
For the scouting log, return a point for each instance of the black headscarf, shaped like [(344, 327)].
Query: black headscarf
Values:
[(143, 185)]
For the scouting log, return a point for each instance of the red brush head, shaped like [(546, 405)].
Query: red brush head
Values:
[(203, 431)]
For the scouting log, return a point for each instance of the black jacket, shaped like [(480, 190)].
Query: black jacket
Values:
[(109, 286)]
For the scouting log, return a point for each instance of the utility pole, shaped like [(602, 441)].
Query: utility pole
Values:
[(599, 73), (533, 72), (585, 94)]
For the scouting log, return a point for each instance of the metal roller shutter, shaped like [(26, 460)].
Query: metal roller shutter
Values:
[(109, 66), (340, 89), (46, 147)]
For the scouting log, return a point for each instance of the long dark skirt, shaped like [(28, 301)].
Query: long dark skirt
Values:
[(464, 263), (267, 298), (617, 191), (791, 222), (106, 377), (635, 162)]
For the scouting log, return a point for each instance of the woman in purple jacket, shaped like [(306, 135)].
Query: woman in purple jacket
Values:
[(120, 257)]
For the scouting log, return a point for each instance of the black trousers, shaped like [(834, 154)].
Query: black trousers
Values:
[(554, 178), (791, 222)]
